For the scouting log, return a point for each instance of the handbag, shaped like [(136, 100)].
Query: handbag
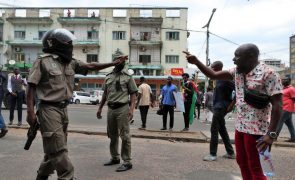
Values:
[(160, 110), (254, 98)]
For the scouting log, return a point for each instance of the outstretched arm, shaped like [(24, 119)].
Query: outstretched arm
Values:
[(100, 66), (224, 75)]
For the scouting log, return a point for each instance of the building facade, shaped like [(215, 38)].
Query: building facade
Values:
[(154, 38)]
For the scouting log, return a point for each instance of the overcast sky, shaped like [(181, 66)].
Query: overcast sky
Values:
[(267, 23)]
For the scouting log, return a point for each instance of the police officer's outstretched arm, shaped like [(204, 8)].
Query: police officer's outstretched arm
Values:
[(100, 66), (31, 116), (224, 75)]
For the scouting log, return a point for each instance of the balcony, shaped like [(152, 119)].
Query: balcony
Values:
[(155, 67), (21, 42), (78, 42), (146, 21), (87, 42), (79, 20), (145, 43), (30, 20)]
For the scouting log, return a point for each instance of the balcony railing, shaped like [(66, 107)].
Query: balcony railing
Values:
[(147, 43), (79, 20), (37, 42), (146, 20), (30, 20)]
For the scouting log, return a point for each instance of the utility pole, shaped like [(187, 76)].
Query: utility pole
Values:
[(207, 47)]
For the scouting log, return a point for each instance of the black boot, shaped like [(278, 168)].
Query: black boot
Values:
[(3, 132), (39, 177)]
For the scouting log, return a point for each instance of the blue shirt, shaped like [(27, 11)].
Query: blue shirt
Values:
[(223, 94), (167, 94)]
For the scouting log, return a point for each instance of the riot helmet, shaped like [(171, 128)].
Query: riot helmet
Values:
[(59, 41)]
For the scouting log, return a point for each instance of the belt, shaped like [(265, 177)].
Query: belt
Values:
[(116, 105), (61, 104)]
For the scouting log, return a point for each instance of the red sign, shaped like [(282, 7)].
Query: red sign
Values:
[(176, 71)]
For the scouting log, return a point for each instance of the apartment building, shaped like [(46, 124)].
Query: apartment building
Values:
[(292, 59), (154, 38)]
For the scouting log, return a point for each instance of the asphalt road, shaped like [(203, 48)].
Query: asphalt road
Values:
[(152, 159), (83, 117)]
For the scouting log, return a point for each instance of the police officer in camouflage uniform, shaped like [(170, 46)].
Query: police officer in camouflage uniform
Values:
[(118, 86), (52, 79)]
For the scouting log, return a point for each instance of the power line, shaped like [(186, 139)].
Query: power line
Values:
[(227, 40)]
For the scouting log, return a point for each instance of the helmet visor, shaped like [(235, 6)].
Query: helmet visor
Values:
[(63, 35)]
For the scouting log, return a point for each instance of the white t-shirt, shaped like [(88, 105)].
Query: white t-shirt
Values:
[(145, 91)]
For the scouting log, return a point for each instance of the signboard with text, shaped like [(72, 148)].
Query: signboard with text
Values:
[(176, 71)]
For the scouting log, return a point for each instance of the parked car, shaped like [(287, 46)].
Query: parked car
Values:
[(96, 96), (81, 97)]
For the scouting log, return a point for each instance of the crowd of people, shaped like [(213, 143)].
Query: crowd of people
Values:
[(52, 74)]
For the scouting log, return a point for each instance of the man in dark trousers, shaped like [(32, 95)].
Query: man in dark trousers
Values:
[(3, 87), (189, 87), (221, 100), (17, 94), (168, 103), (288, 109)]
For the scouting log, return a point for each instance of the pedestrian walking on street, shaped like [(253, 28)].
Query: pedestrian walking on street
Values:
[(144, 100), (199, 103), (17, 95), (189, 90), (3, 89), (222, 98), (258, 114), (52, 77), (118, 86), (209, 104), (288, 108), (168, 103)]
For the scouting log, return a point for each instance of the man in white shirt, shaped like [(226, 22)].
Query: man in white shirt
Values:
[(145, 98), (17, 94)]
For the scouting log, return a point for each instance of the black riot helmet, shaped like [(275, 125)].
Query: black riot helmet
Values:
[(59, 41)]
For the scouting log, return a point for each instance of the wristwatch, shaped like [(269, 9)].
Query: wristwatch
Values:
[(272, 134)]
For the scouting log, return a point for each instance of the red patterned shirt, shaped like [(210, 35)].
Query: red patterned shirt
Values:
[(263, 79)]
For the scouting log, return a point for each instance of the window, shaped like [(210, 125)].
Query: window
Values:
[(144, 59), (93, 13), (145, 36), (148, 72), (172, 35), (41, 34), (19, 34), (69, 12), (146, 13), (170, 59), (92, 58), (20, 13), (44, 12), (119, 13), (92, 35), (172, 13), (119, 35), (19, 57)]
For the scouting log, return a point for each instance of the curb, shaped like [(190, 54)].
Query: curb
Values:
[(168, 138)]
